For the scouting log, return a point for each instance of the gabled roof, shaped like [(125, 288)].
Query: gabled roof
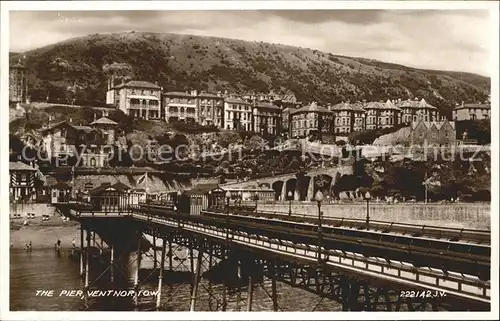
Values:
[(347, 106), (312, 108), (429, 124), (388, 105), (414, 104), (119, 187), (17, 65), (138, 84), (86, 129), (232, 100), (18, 166), (104, 121)]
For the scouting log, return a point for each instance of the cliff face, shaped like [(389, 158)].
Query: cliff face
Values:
[(182, 62)]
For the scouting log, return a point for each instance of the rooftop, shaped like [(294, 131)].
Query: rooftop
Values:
[(233, 100), (312, 108), (472, 105), (429, 124), (138, 84), (178, 94), (414, 104), (266, 105), (104, 121), (119, 187), (18, 166)]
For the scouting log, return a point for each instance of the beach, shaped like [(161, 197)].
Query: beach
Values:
[(43, 234)]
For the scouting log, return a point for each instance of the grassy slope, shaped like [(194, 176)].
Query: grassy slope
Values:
[(181, 62)]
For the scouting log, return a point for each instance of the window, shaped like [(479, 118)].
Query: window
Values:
[(152, 92), (142, 92)]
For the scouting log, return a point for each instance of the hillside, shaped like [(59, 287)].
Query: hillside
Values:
[(181, 62)]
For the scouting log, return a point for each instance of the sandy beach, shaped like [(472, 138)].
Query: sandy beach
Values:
[(43, 234)]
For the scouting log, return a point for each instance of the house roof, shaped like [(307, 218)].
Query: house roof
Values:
[(138, 84), (178, 94), (104, 121), (429, 124), (236, 101), (209, 95), (414, 104), (381, 105), (312, 108), (466, 106), (347, 106), (18, 65), (266, 105), (18, 166), (119, 187), (86, 129)]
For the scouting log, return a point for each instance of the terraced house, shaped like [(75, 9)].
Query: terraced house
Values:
[(349, 117), (266, 118), (210, 109), (140, 99), (382, 115), (312, 118), (181, 106), (472, 111), (413, 110), (238, 114)]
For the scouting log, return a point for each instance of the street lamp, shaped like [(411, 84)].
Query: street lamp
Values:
[(240, 198), (319, 198), (256, 201), (290, 196), (209, 198), (367, 197)]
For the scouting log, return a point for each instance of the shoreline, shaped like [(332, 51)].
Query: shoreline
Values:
[(43, 234)]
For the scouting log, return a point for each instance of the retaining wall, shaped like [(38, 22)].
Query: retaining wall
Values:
[(464, 215)]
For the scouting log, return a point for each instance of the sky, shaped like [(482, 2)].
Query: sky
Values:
[(432, 39)]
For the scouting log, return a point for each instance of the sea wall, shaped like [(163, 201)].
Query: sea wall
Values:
[(38, 209), (462, 215)]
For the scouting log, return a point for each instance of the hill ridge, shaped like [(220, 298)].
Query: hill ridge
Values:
[(183, 61)]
